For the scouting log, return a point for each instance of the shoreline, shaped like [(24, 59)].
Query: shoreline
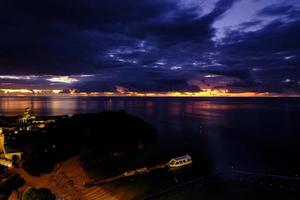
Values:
[(65, 181)]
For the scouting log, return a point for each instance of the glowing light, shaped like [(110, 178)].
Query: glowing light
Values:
[(175, 67), (288, 57), (17, 77), (121, 91), (256, 69), (51, 78), (7, 91), (125, 92), (62, 79), (86, 75), (211, 76), (35, 91), (31, 91)]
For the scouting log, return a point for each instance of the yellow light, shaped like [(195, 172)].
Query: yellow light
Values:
[(127, 93)]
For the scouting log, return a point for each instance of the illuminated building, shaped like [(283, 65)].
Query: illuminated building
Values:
[(2, 149), (29, 122), (7, 158), (26, 117)]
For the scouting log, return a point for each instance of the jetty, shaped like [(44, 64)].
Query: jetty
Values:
[(173, 163)]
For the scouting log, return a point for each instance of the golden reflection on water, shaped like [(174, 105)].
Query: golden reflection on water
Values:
[(58, 106), (210, 110), (175, 108), (149, 107), (209, 105), (72, 105), (43, 105), (16, 105)]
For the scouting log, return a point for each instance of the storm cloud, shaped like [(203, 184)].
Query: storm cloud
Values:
[(150, 45)]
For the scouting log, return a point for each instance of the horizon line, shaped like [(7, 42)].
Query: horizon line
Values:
[(127, 93)]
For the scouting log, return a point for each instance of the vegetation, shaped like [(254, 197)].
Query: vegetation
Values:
[(116, 142), (11, 182), (3, 170), (38, 194), (109, 139)]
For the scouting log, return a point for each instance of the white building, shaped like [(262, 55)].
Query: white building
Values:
[(6, 158)]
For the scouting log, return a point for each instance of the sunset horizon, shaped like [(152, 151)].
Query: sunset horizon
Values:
[(127, 93), (149, 99), (160, 46)]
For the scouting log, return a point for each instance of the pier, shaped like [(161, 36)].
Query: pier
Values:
[(173, 163), (125, 175)]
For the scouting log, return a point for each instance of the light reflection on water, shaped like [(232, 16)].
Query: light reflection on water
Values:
[(72, 105), (248, 133)]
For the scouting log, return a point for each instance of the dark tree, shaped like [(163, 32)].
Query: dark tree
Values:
[(112, 140), (13, 182), (38, 194)]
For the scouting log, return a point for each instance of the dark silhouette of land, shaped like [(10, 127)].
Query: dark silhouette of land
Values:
[(110, 139), (79, 148)]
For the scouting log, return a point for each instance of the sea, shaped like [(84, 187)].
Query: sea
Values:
[(260, 135)]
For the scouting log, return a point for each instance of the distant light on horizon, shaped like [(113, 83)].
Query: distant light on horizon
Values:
[(211, 76), (62, 79), (125, 92), (160, 47), (15, 77), (30, 91)]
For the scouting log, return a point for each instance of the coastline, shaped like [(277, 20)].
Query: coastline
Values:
[(66, 182)]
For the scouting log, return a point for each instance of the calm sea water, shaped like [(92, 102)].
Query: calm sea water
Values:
[(253, 134)]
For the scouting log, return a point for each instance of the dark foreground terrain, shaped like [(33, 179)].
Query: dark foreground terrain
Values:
[(109, 143), (110, 140)]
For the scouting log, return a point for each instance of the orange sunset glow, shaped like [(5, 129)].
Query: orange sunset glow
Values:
[(127, 93)]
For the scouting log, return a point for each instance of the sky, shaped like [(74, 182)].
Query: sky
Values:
[(153, 46)]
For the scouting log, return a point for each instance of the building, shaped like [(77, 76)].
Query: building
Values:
[(26, 117), (30, 122), (2, 148), (7, 158)]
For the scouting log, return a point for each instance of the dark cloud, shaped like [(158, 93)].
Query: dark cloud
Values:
[(146, 45), (250, 24), (234, 73), (271, 53), (186, 25), (283, 10), (276, 9), (54, 36)]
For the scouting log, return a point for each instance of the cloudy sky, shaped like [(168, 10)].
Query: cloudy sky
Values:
[(151, 45)]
